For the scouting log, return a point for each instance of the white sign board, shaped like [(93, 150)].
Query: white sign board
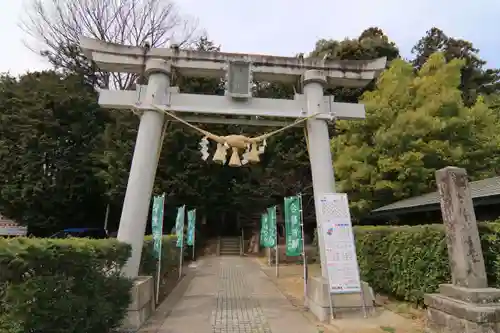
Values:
[(336, 229), (12, 229)]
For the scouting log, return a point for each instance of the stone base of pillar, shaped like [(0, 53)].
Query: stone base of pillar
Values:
[(465, 310), (344, 305), (142, 304)]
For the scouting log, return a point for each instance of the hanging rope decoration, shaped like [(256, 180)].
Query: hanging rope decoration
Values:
[(252, 147)]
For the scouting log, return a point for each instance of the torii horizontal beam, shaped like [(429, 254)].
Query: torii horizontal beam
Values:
[(211, 106), (130, 59)]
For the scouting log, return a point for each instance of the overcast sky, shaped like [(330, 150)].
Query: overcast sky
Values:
[(288, 27)]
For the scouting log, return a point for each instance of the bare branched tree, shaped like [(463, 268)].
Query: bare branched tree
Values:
[(56, 26)]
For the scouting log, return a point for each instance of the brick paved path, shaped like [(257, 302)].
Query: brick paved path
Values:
[(232, 295)]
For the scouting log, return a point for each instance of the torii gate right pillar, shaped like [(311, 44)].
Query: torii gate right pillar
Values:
[(320, 155), (318, 299)]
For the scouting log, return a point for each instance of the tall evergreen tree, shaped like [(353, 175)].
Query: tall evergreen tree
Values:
[(416, 123), (49, 125), (475, 78)]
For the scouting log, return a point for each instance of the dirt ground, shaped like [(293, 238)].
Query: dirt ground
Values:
[(390, 316)]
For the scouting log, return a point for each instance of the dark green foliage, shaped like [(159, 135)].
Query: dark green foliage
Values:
[(407, 262), (53, 120), (71, 285), (475, 79), (372, 43), (416, 124), (169, 256), (50, 124), (404, 262)]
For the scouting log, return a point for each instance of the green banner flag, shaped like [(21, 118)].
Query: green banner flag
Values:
[(157, 223), (272, 232), (191, 227), (264, 229), (179, 226), (293, 227), (268, 231)]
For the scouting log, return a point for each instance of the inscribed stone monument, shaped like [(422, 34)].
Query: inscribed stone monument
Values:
[(467, 305)]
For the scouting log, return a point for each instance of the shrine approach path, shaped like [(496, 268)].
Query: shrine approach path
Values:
[(228, 295)]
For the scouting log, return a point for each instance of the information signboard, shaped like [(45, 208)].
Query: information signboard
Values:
[(338, 236)]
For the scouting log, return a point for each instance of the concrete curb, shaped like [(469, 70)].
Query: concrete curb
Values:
[(154, 324)]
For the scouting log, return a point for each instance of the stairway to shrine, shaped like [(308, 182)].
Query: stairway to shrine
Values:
[(230, 246)]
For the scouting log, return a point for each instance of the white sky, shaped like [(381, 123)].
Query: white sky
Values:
[(287, 27)]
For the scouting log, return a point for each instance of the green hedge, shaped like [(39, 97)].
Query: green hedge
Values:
[(62, 285), (169, 255), (407, 262), (70, 285)]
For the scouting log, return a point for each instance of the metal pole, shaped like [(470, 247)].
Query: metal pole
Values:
[(363, 297), (180, 259), (332, 313), (158, 277), (277, 249), (304, 257), (106, 218), (182, 243), (242, 241), (194, 242)]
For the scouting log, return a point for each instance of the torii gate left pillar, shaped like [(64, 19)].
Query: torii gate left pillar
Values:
[(144, 164)]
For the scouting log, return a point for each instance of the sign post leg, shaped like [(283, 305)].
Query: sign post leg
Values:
[(180, 260), (332, 312), (277, 255), (194, 243), (158, 278), (362, 292)]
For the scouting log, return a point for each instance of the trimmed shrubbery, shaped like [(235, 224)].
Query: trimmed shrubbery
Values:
[(62, 285), (70, 285), (169, 255), (169, 263), (407, 262)]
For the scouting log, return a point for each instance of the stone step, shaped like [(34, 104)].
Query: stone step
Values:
[(230, 246), (230, 242), (232, 253)]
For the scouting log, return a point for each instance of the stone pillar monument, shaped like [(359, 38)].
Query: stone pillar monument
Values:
[(467, 305)]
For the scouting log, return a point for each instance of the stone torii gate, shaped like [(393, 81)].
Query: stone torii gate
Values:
[(239, 71)]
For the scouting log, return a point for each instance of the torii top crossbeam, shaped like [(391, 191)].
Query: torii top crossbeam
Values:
[(130, 59)]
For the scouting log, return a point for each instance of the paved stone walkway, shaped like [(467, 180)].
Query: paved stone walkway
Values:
[(232, 295)]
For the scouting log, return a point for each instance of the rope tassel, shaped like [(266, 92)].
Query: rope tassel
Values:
[(235, 158), (220, 154), (253, 155)]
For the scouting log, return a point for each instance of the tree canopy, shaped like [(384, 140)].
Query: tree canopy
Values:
[(50, 126), (416, 123), (57, 25), (475, 78), (64, 159)]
